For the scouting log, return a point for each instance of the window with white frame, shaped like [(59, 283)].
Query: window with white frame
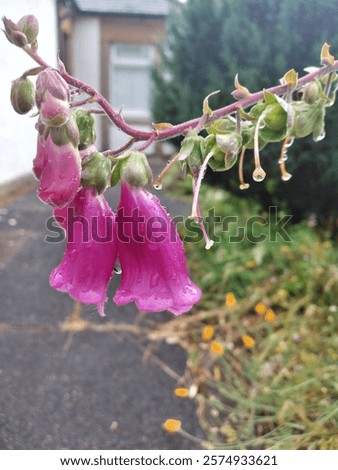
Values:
[(130, 82)]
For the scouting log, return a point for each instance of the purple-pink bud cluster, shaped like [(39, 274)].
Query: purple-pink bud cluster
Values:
[(52, 97)]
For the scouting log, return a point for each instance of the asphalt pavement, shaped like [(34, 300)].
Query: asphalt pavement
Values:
[(68, 378)]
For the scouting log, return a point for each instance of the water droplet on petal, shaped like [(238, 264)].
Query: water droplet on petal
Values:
[(154, 280)]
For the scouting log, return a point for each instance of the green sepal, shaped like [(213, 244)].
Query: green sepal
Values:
[(115, 174), (68, 133), (96, 171), (192, 153), (312, 91), (225, 149), (247, 133), (308, 118), (135, 169), (86, 124), (221, 126)]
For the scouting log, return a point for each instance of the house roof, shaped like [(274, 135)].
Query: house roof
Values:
[(123, 7)]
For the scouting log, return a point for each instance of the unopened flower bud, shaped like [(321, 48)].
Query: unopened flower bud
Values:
[(54, 112), (85, 123), (311, 92), (240, 91), (135, 169), (22, 95), (13, 33), (96, 171), (52, 98), (30, 27), (50, 80)]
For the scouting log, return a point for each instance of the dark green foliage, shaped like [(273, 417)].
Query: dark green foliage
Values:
[(208, 42)]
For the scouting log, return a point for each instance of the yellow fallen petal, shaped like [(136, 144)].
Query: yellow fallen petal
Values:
[(172, 425), (248, 341), (270, 316), (216, 348), (182, 392), (208, 333), (250, 264), (217, 373), (260, 308), (230, 300)]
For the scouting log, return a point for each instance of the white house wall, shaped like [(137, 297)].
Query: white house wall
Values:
[(17, 133), (86, 55)]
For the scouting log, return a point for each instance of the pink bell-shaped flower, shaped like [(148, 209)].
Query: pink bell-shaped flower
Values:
[(91, 253), (58, 167), (154, 269)]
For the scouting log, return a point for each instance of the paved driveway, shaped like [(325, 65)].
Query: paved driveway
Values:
[(69, 379)]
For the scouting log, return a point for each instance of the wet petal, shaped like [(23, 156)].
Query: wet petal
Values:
[(91, 253), (154, 269), (59, 171)]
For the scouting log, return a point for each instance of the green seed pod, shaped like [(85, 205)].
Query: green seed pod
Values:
[(22, 95), (311, 92), (275, 117)]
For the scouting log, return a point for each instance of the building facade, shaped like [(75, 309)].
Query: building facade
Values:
[(111, 44), (17, 134)]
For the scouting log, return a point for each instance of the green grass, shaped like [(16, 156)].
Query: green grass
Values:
[(282, 393)]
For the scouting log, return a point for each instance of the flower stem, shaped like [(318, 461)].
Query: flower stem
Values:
[(174, 131), (243, 184), (158, 182), (123, 148), (208, 242), (197, 187)]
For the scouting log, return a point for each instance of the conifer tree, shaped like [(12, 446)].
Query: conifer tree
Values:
[(209, 42)]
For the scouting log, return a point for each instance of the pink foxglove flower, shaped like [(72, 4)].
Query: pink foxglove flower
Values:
[(58, 167), (91, 253), (154, 270)]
